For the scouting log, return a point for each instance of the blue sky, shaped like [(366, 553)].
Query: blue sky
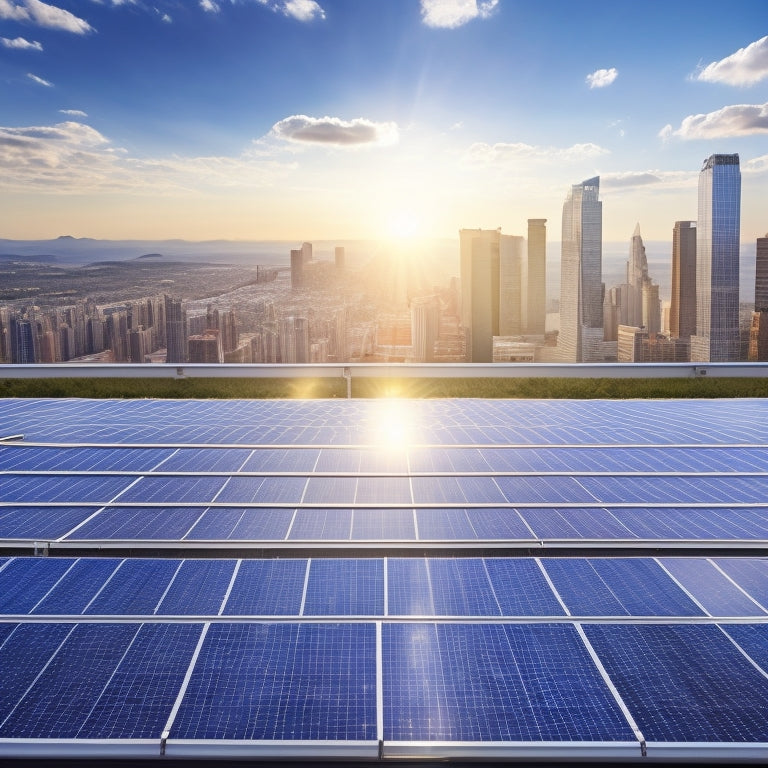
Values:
[(323, 119)]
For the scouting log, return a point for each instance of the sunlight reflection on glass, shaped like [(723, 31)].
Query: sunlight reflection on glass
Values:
[(392, 425)]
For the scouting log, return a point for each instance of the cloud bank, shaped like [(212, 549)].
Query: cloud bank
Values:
[(335, 132), (728, 122), (602, 78), (450, 14), (488, 154), (20, 44), (745, 67)]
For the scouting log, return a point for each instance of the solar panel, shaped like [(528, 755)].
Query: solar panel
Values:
[(308, 591)]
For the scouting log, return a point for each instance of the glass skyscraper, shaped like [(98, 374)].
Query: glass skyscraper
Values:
[(717, 261), (581, 266)]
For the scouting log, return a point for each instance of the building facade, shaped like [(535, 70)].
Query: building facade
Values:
[(717, 261), (479, 252), (682, 311), (581, 287), (537, 277)]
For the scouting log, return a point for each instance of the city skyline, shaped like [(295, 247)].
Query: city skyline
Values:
[(283, 119)]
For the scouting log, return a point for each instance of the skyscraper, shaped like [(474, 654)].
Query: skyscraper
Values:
[(644, 309), (717, 261), (512, 296), (479, 250), (758, 335), (581, 264), (537, 276), (682, 313), (175, 331)]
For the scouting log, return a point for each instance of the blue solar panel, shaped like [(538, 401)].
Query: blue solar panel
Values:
[(270, 490), (440, 587), (345, 587), (25, 581), (77, 674), (322, 524), (23, 488), (753, 639), (23, 655), (137, 587), (198, 589), (383, 524), (77, 587), (282, 681), (206, 460), (717, 594), (383, 490), (73, 459), (576, 523), (175, 489), (139, 523), (684, 683), (331, 490), (521, 589), (464, 682), (618, 586), (444, 524), (750, 574), (40, 522), (259, 524), (498, 524), (267, 588), (457, 490), (548, 490), (694, 523), (136, 702)]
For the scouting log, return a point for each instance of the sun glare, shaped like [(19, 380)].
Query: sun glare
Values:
[(392, 428)]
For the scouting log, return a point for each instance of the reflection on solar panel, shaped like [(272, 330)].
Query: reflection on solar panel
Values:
[(567, 581)]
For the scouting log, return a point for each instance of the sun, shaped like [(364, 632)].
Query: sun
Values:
[(404, 224)]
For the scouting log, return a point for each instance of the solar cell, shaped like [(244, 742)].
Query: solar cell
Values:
[(282, 682), (576, 523), (494, 683), (267, 588), (752, 639), (345, 587), (751, 574), (77, 587), (135, 588), (198, 588), (24, 488), (321, 524), (618, 586), (224, 523), (138, 523), (383, 524), (26, 581), (40, 522), (521, 588), (499, 524), (679, 682)]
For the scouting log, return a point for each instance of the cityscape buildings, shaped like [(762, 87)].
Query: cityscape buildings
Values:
[(581, 288), (717, 261), (758, 334), (537, 277)]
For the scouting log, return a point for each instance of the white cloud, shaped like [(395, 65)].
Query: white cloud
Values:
[(21, 44), (210, 6), (73, 158), (303, 10), (39, 80), (629, 180), (602, 77), (745, 67), (728, 122), (450, 14), (73, 112), (491, 154), (334, 131), (756, 165), (44, 15)]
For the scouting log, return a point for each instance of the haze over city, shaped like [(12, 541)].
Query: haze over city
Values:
[(304, 119)]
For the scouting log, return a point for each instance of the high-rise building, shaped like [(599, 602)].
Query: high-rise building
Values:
[(512, 296), (537, 276), (717, 261), (479, 252), (306, 252), (644, 309), (425, 327), (581, 288), (175, 331), (758, 335), (297, 269), (682, 313)]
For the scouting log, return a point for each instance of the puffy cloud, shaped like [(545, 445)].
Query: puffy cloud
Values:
[(21, 44), (334, 131), (210, 6), (450, 14), (73, 112), (303, 10), (72, 158), (755, 165), (633, 179), (488, 154), (44, 15), (601, 78), (39, 80), (728, 122), (745, 67)]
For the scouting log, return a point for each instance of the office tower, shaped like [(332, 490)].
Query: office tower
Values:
[(297, 269), (644, 308), (537, 276), (581, 288), (425, 327), (479, 252), (206, 347), (758, 333), (717, 261), (175, 331), (306, 252), (512, 296), (339, 257), (682, 312), (24, 342)]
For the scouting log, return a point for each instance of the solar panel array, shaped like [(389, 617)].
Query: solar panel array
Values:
[(384, 579)]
